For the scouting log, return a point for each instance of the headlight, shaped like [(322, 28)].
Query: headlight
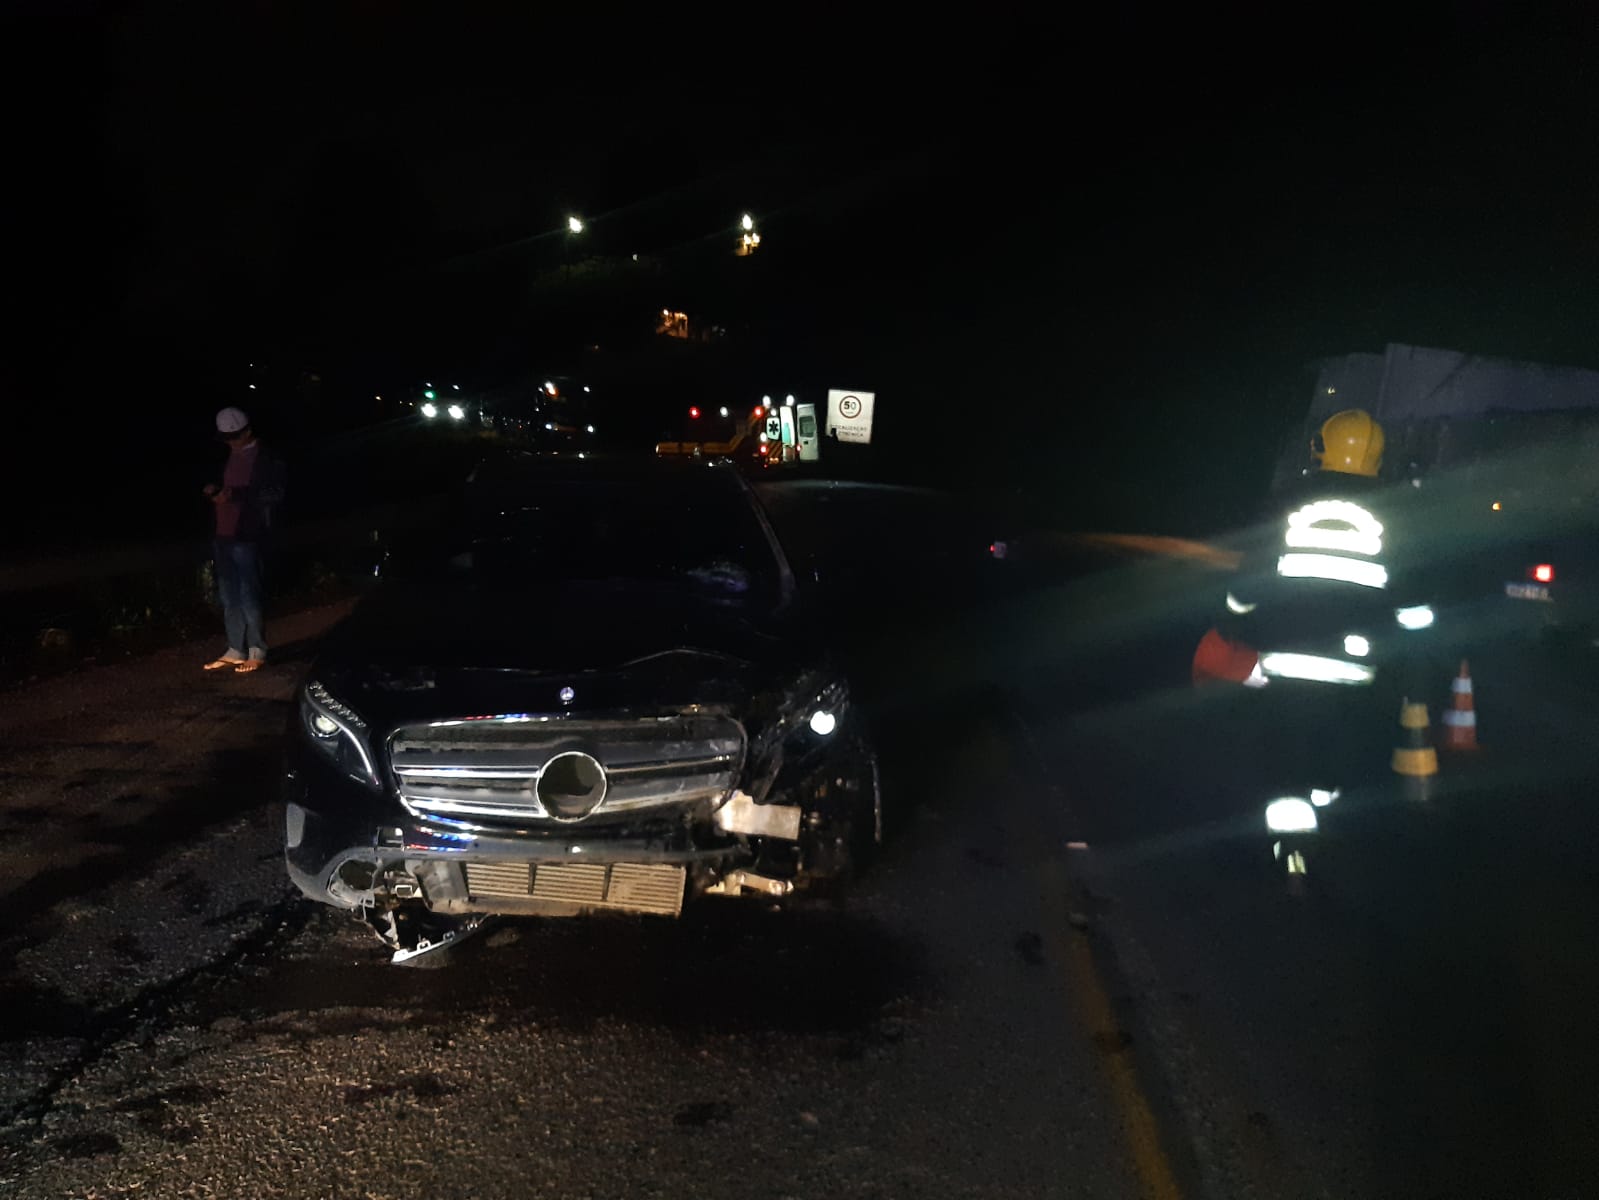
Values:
[(338, 731), (814, 711), (457, 413), (827, 708)]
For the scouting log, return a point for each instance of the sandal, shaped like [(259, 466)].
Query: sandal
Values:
[(249, 665), (222, 664)]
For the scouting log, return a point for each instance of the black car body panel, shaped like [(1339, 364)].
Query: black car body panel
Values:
[(553, 742)]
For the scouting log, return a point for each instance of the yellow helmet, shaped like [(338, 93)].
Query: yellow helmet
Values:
[(1351, 443)]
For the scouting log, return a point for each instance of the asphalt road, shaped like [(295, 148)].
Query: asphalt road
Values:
[(1419, 1023), (1074, 973), (178, 1024)]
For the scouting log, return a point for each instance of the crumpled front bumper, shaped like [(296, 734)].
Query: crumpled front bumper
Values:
[(349, 846)]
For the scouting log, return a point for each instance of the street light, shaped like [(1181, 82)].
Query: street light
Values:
[(573, 225), (748, 239)]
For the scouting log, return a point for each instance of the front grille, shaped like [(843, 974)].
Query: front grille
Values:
[(626, 887), (490, 767)]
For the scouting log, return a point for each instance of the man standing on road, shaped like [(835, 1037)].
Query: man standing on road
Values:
[(245, 500)]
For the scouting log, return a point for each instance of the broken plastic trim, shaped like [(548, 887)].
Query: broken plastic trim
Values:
[(410, 932), (451, 937)]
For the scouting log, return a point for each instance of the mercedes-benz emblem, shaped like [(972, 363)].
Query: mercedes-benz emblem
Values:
[(571, 785), (568, 695)]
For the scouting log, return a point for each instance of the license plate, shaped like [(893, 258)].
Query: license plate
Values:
[(1527, 591)]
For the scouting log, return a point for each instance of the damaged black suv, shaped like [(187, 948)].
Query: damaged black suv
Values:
[(597, 689)]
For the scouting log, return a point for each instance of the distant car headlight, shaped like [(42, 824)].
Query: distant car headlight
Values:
[(338, 731), (457, 413), (430, 411)]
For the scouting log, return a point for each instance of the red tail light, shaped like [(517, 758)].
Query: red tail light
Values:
[(694, 413), (765, 449), (759, 412), (1544, 573)]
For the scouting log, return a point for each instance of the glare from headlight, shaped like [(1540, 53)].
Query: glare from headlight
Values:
[(1290, 815), (1418, 617), (823, 722), (1356, 646), (457, 412), (430, 411)]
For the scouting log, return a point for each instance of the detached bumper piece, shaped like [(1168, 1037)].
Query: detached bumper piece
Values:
[(572, 888)]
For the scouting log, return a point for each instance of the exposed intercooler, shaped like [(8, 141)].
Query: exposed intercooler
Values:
[(625, 887)]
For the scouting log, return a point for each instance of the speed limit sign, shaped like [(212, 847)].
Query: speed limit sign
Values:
[(849, 415)]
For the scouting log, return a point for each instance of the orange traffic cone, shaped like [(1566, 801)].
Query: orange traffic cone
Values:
[(1461, 722)]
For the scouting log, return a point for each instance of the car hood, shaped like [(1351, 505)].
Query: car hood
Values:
[(445, 648)]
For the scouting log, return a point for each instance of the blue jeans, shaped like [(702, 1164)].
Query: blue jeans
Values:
[(239, 586)]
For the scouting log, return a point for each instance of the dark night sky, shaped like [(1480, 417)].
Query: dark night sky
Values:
[(1085, 245)]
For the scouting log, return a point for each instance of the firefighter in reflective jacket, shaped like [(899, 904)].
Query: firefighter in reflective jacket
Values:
[(1315, 591), (1320, 618)]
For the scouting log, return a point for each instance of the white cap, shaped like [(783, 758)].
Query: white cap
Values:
[(232, 420)]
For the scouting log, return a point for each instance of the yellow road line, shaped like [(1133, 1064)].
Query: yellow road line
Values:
[(1075, 955), (1139, 1127)]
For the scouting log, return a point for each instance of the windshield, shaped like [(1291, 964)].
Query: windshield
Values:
[(695, 533)]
